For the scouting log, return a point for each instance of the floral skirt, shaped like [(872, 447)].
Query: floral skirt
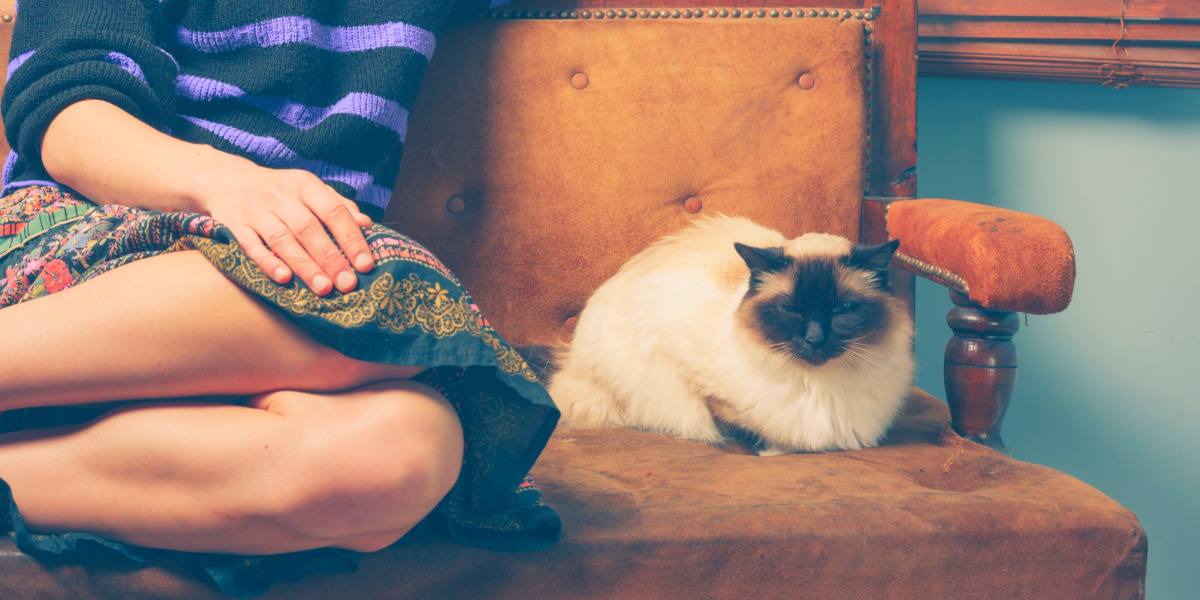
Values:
[(409, 310)]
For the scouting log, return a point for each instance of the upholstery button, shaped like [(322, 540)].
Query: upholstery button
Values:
[(570, 323), (693, 205), (456, 204), (806, 81), (579, 80)]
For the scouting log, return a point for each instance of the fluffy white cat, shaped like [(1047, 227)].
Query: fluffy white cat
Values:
[(727, 329)]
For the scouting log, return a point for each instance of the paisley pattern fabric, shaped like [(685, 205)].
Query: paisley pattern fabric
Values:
[(409, 310)]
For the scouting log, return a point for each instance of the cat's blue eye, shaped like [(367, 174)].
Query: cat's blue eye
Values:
[(845, 307)]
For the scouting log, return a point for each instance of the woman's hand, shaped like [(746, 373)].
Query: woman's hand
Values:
[(279, 217), (283, 220)]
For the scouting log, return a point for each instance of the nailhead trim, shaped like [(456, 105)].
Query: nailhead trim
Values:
[(933, 272), (687, 13)]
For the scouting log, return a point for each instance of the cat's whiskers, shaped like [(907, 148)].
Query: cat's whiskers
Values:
[(877, 366), (868, 350), (869, 353), (862, 366)]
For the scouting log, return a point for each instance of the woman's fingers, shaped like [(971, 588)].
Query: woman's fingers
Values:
[(359, 216), (310, 232), (283, 243), (254, 248), (330, 207)]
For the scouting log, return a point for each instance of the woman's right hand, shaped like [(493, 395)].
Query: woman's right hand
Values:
[(283, 220)]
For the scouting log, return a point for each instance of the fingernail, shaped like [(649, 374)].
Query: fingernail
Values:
[(321, 284), (346, 280), (362, 262), (281, 273)]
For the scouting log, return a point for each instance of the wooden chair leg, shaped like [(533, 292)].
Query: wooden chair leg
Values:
[(981, 368)]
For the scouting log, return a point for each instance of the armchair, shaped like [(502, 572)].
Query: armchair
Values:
[(553, 140)]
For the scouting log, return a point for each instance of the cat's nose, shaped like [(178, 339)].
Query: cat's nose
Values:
[(815, 334)]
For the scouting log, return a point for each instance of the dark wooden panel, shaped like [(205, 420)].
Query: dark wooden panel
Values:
[(894, 118), (1104, 31), (1111, 42), (1093, 9)]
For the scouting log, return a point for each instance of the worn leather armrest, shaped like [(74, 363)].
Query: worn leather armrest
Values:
[(1002, 259)]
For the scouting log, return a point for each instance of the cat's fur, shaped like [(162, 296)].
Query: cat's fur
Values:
[(693, 340)]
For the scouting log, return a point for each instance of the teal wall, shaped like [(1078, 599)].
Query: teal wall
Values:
[(1108, 390)]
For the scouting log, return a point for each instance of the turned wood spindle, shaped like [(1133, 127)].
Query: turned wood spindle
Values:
[(981, 368)]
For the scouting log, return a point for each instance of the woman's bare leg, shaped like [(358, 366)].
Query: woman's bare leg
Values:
[(294, 471), (163, 327)]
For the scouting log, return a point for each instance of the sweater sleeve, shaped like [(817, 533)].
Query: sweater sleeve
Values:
[(64, 51)]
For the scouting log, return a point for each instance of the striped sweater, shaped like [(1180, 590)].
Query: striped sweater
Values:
[(320, 85)]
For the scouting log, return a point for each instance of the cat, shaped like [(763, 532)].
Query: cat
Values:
[(728, 331)]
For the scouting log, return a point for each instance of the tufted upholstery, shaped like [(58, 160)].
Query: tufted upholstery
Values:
[(571, 144)]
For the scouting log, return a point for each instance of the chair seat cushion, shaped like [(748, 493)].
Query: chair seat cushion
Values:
[(926, 515)]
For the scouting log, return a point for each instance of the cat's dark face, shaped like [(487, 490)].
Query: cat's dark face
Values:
[(815, 308)]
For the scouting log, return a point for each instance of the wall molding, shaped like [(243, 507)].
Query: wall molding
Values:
[(1115, 43)]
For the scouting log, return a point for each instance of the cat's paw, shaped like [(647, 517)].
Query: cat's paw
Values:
[(771, 451)]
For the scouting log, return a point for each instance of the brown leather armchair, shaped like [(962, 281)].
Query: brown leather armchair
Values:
[(552, 141)]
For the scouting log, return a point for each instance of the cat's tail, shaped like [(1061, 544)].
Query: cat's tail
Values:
[(583, 401)]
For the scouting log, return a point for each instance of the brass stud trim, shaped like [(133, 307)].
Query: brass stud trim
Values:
[(666, 13), (933, 272), (6, 18)]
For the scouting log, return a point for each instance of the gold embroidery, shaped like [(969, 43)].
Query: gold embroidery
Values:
[(394, 305)]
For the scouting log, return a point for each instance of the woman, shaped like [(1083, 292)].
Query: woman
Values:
[(208, 346)]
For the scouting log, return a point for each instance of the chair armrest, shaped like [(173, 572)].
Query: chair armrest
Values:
[(1001, 259)]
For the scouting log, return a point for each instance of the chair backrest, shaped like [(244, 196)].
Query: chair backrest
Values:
[(550, 145)]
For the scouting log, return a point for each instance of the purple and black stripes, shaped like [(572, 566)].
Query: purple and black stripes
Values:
[(9, 163), (307, 84), (19, 60), (374, 108), (303, 30), (128, 64), (274, 153)]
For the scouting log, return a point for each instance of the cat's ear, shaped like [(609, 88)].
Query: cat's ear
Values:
[(872, 258), (761, 259)]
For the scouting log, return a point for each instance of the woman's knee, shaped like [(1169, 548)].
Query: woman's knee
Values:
[(376, 461)]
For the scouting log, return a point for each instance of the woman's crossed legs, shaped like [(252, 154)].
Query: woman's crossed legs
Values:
[(330, 451)]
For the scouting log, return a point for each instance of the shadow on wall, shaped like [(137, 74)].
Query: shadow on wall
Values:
[(1106, 390)]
